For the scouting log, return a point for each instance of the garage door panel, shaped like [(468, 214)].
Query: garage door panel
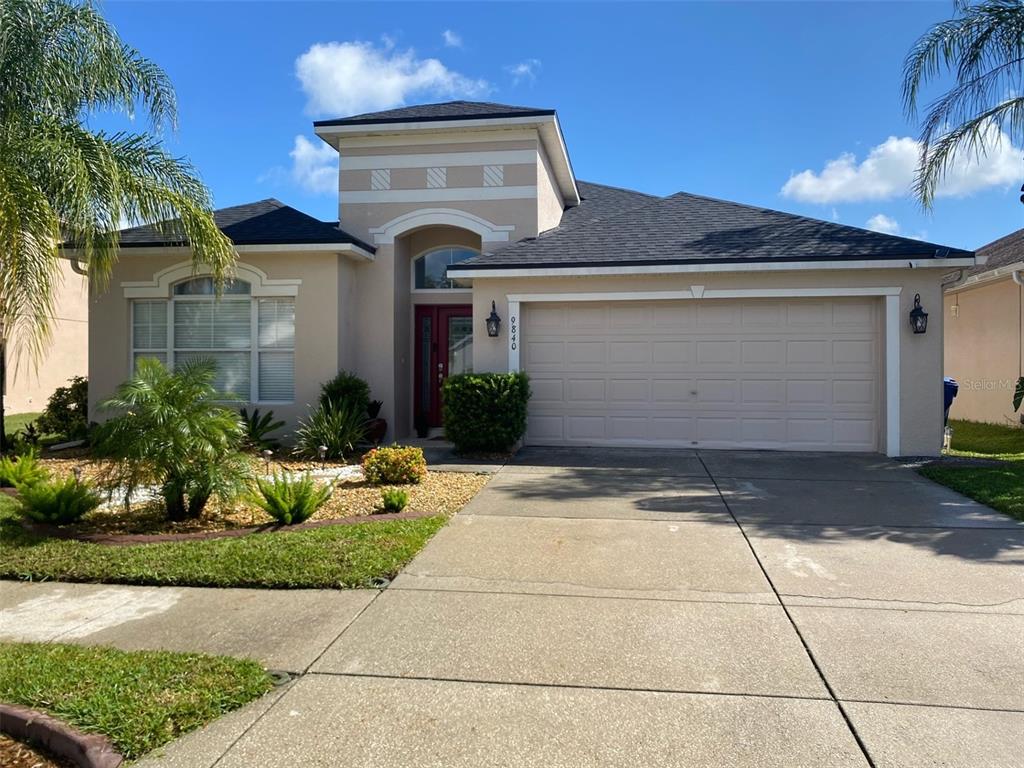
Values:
[(671, 352), (629, 390), (761, 392), (801, 374), (547, 390)]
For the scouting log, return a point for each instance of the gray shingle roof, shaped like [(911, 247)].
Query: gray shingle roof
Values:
[(1001, 253), (448, 110), (266, 222), (687, 229), (599, 201)]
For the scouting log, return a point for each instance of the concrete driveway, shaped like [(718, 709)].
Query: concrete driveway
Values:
[(641, 608)]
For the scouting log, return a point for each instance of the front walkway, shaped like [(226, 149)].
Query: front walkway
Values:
[(628, 608)]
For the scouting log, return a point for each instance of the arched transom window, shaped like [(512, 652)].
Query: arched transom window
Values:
[(429, 268), (252, 339)]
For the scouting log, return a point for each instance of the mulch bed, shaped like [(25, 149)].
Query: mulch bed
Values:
[(14, 754), (440, 493), (62, 745)]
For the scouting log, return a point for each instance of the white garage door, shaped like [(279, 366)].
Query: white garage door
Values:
[(789, 374)]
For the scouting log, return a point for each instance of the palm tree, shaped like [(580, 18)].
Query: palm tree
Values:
[(60, 62), (983, 45), (171, 431)]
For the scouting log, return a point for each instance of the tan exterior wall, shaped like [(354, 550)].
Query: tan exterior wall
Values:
[(30, 382), (322, 342), (983, 350), (549, 200), (921, 356)]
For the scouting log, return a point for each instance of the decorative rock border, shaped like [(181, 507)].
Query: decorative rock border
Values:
[(58, 738), (129, 539)]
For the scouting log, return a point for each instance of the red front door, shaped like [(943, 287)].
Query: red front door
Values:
[(444, 346)]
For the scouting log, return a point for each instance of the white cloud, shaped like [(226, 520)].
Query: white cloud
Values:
[(452, 39), (888, 172), (525, 70), (314, 166), (352, 77), (884, 224)]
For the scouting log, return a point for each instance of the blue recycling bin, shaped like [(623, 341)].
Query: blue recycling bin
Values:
[(949, 390)]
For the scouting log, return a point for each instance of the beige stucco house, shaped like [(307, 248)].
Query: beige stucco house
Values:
[(680, 321), (31, 379), (984, 325)]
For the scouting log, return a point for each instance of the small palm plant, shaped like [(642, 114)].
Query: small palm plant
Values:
[(21, 470), (170, 431), (394, 499), (58, 502), (258, 428), (336, 428), (289, 500)]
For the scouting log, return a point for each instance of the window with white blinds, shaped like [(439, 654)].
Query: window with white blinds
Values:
[(251, 340)]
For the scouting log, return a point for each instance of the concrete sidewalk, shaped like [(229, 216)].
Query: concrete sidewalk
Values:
[(627, 608)]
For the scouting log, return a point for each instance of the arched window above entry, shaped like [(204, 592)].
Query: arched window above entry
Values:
[(204, 286), (429, 268)]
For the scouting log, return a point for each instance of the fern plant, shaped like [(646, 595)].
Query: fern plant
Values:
[(258, 428), (289, 500), (58, 502), (394, 499), (22, 470)]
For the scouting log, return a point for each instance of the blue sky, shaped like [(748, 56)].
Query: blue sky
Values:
[(778, 105)]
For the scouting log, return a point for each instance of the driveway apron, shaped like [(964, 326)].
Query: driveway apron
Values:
[(674, 608)]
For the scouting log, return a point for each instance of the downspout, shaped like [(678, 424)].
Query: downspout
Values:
[(77, 266)]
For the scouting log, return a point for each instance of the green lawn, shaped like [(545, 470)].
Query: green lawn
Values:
[(139, 700), (15, 421), (971, 438), (1000, 487), (328, 557)]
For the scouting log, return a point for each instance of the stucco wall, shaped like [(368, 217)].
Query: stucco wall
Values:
[(921, 356), (983, 350), (319, 345), (31, 381), (549, 200)]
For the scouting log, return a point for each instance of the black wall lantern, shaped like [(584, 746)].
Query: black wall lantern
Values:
[(493, 322), (918, 317)]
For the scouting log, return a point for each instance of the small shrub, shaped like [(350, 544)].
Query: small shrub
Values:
[(395, 464), (258, 428), (394, 499), (339, 429), (346, 390), (21, 470), (58, 502), (485, 411), (289, 500), (67, 411)]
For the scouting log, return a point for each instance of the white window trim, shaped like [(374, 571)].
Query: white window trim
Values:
[(166, 279), (160, 286), (432, 217), (894, 327), (439, 291)]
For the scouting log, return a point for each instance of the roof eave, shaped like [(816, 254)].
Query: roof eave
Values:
[(351, 250), (468, 271)]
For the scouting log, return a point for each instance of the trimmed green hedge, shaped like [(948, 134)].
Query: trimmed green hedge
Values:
[(485, 411)]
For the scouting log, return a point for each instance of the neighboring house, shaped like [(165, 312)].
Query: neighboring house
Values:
[(984, 321), (31, 380), (643, 321)]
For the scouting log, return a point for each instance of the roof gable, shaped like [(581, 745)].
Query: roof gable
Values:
[(265, 222)]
